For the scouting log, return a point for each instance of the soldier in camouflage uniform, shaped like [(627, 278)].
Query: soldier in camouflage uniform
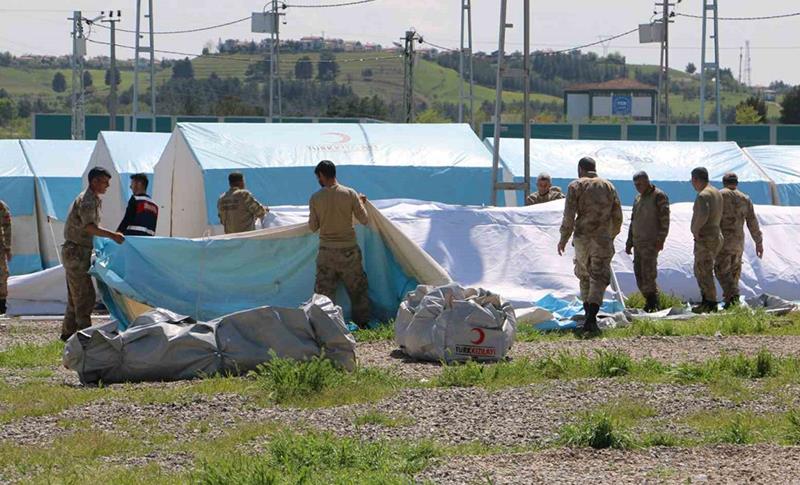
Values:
[(646, 236), (331, 211), (545, 191), (5, 253), (737, 209), (83, 222), (706, 217), (237, 208), (595, 203)]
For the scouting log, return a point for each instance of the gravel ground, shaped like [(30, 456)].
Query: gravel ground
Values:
[(15, 331), (713, 464), (666, 349)]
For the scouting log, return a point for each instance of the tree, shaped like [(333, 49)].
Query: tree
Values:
[(691, 68), (118, 78), (366, 74), (183, 69), (790, 108), (758, 105), (24, 108), (747, 115), (431, 115), (8, 110), (87, 79), (59, 82), (303, 68), (327, 68)]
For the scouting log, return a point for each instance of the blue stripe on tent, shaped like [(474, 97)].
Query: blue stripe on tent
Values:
[(59, 193), (17, 193), (207, 279), (295, 185), (24, 263)]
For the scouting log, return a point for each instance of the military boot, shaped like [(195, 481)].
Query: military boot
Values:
[(590, 324), (651, 303), (731, 302), (705, 306), (3, 306)]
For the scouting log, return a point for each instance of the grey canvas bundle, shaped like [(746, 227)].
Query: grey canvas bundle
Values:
[(161, 345), (452, 323)]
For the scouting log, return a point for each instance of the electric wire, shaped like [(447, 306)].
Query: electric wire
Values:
[(329, 5), (186, 31), (765, 17)]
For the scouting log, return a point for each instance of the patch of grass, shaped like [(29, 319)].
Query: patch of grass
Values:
[(740, 428), (597, 430), (649, 440), (382, 419), (321, 458), (382, 332), (319, 382), (40, 399), (793, 428), (737, 432), (637, 300), (613, 363), (24, 356)]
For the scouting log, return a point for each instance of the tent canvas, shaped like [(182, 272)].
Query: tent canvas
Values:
[(669, 164), (782, 165), (17, 190), (440, 162), (57, 166), (124, 154), (212, 277)]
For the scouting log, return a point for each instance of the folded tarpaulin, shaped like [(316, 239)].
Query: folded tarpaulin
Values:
[(209, 278), (160, 345)]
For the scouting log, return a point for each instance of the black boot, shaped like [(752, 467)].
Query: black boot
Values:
[(651, 303), (590, 324), (3, 306), (706, 306), (731, 302)]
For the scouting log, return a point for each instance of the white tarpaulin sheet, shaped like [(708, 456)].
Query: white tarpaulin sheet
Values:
[(124, 154), (669, 164), (782, 165), (440, 162)]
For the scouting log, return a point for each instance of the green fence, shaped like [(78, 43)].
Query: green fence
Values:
[(59, 126), (744, 135)]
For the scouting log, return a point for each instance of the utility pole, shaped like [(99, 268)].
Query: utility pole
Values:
[(663, 80), (740, 66), (466, 52), (705, 67), (272, 59), (526, 93), (748, 70), (498, 103), (139, 49), (112, 75), (408, 74), (77, 63)]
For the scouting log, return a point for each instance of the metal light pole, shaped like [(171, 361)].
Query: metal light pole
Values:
[(112, 76), (78, 53)]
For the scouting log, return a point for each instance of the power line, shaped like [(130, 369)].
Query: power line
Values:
[(607, 39), (328, 5), (441, 47), (766, 17), (187, 31)]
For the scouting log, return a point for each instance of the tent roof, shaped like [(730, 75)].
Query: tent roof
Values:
[(258, 145), (781, 162), (12, 160), (133, 152), (58, 158), (619, 160)]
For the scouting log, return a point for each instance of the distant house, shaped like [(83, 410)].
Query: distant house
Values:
[(333, 44), (311, 43), (618, 98), (370, 47)]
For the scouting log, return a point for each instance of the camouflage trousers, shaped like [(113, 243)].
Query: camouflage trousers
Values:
[(3, 275), (728, 266), (344, 264), (705, 253), (645, 268), (81, 297), (593, 267)]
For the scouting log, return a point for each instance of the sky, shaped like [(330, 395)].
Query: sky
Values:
[(41, 27)]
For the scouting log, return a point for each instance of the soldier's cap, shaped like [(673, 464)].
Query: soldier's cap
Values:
[(641, 174), (730, 178)]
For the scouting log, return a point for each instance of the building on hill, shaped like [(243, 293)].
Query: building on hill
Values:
[(311, 43), (618, 98)]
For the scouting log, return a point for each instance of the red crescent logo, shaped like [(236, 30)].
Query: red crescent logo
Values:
[(481, 336), (343, 138)]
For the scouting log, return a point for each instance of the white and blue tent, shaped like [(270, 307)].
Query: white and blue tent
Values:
[(17, 190), (57, 166), (124, 154), (781, 163), (669, 165), (437, 162)]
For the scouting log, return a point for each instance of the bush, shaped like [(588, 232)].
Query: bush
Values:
[(793, 433), (738, 432), (597, 430), (613, 363)]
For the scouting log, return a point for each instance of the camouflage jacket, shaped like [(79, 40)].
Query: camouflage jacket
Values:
[(649, 219), (707, 214), (737, 209), (592, 209), (536, 198), (85, 210), (238, 210), (5, 227)]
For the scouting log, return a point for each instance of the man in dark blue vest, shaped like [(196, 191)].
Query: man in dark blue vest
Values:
[(142, 213)]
